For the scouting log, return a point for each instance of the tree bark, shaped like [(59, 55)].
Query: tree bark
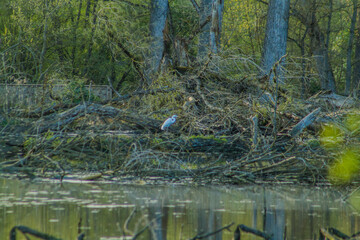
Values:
[(76, 26), (356, 68), (325, 81), (91, 40), (209, 39), (275, 34), (318, 47), (158, 15), (349, 49), (215, 30), (44, 45)]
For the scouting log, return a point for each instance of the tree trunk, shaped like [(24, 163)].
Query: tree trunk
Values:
[(275, 34), (303, 64), (76, 26), (349, 50), (44, 45), (325, 83), (215, 30), (209, 39), (91, 40), (158, 14), (356, 68), (318, 47)]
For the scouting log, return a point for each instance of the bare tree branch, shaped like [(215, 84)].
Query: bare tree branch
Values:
[(196, 6)]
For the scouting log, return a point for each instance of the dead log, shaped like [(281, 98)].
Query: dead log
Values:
[(39, 235), (306, 121), (26, 230), (207, 235), (324, 234), (244, 228), (338, 233), (58, 121)]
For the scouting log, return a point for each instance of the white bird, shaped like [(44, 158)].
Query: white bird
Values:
[(168, 122)]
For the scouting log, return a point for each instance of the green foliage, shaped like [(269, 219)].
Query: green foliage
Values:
[(332, 136), (345, 167), (343, 141), (244, 24), (76, 91), (40, 39), (156, 141), (164, 101), (190, 166), (30, 143)]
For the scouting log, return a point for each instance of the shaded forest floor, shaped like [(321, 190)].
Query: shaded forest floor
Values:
[(228, 132)]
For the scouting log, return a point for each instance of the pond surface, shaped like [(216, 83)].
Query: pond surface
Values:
[(100, 210)]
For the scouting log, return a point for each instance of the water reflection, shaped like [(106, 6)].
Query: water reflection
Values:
[(172, 212)]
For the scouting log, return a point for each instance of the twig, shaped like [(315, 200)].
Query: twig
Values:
[(63, 172), (212, 233), (242, 227), (336, 232), (349, 195), (198, 30), (196, 6), (126, 224), (144, 228), (131, 57), (209, 105), (112, 88), (324, 234), (275, 165), (26, 230), (255, 122)]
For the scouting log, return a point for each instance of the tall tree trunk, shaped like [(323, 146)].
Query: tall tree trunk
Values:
[(215, 30), (158, 14), (205, 13), (91, 40), (349, 50), (44, 46), (320, 52), (356, 68), (318, 47), (275, 33), (76, 26), (209, 39), (325, 83), (303, 65)]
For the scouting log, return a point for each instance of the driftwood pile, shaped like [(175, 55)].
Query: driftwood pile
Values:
[(233, 127), (95, 137)]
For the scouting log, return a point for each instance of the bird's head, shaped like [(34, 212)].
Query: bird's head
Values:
[(174, 116)]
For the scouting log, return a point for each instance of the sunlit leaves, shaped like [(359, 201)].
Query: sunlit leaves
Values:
[(243, 25), (352, 122), (341, 139), (345, 167), (331, 136)]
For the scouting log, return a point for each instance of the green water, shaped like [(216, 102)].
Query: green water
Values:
[(100, 210)]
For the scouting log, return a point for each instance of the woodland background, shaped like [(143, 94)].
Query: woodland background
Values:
[(132, 43)]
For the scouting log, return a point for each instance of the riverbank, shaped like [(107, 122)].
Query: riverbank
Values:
[(228, 136)]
